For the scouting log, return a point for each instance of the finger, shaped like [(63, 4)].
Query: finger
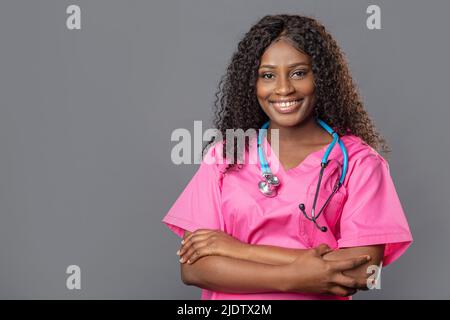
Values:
[(196, 253), (323, 249), (342, 291), (189, 251), (191, 241), (349, 264), (349, 282), (196, 232)]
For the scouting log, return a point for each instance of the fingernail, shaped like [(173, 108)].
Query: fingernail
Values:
[(189, 261), (181, 260), (182, 241), (178, 252), (367, 258)]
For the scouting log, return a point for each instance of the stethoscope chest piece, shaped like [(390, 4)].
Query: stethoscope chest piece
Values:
[(269, 186)]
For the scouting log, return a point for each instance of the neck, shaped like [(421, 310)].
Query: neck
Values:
[(307, 132)]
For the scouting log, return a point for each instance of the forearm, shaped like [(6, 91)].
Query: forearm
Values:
[(231, 275), (376, 253), (275, 255), (272, 255)]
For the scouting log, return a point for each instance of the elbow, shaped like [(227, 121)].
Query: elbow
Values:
[(185, 278), (187, 275), (193, 274)]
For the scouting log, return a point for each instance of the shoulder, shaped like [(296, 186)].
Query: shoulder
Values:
[(359, 151), (362, 157), (213, 156)]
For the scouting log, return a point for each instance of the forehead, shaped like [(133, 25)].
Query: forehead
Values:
[(282, 52)]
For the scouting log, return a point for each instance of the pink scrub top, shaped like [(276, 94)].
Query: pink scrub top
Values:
[(365, 211)]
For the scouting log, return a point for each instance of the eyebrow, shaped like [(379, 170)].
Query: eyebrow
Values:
[(289, 66)]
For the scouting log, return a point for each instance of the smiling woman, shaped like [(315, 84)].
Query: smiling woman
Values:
[(289, 73), (285, 86)]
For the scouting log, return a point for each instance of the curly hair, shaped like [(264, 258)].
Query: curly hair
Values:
[(337, 99)]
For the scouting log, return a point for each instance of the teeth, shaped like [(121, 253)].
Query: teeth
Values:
[(286, 104)]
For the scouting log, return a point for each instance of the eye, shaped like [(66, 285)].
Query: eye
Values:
[(301, 73), (263, 75)]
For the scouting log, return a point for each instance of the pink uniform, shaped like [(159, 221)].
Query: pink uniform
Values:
[(365, 211)]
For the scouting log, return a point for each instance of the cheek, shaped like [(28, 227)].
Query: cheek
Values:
[(309, 89), (261, 90), (262, 93), (306, 87), (265, 87)]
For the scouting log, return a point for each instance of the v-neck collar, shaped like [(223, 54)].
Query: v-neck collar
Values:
[(312, 159)]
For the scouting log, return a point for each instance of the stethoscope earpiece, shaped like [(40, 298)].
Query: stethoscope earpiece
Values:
[(301, 206)]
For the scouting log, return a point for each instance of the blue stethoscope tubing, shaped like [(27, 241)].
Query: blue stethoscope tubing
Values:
[(271, 183)]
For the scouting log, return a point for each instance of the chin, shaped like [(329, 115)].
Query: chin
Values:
[(291, 120)]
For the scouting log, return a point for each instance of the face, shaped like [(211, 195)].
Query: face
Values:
[(285, 85)]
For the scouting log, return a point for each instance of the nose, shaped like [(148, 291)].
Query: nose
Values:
[(284, 87)]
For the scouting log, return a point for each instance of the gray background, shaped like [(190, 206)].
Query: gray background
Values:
[(86, 118)]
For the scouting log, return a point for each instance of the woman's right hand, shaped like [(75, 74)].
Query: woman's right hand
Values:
[(310, 273)]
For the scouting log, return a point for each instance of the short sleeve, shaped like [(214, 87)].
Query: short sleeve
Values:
[(372, 213), (199, 204)]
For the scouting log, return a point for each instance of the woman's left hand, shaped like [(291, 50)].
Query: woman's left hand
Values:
[(206, 242)]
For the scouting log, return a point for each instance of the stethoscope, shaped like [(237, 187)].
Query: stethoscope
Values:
[(270, 183)]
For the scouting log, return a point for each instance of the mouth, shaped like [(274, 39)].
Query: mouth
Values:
[(286, 106)]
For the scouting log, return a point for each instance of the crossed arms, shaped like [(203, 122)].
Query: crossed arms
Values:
[(219, 262)]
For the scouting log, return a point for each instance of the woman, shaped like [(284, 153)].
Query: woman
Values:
[(288, 72)]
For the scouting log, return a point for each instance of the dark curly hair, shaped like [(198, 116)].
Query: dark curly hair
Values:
[(337, 99)]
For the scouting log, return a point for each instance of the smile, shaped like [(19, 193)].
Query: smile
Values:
[(286, 107)]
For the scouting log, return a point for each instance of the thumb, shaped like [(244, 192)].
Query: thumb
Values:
[(323, 249)]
